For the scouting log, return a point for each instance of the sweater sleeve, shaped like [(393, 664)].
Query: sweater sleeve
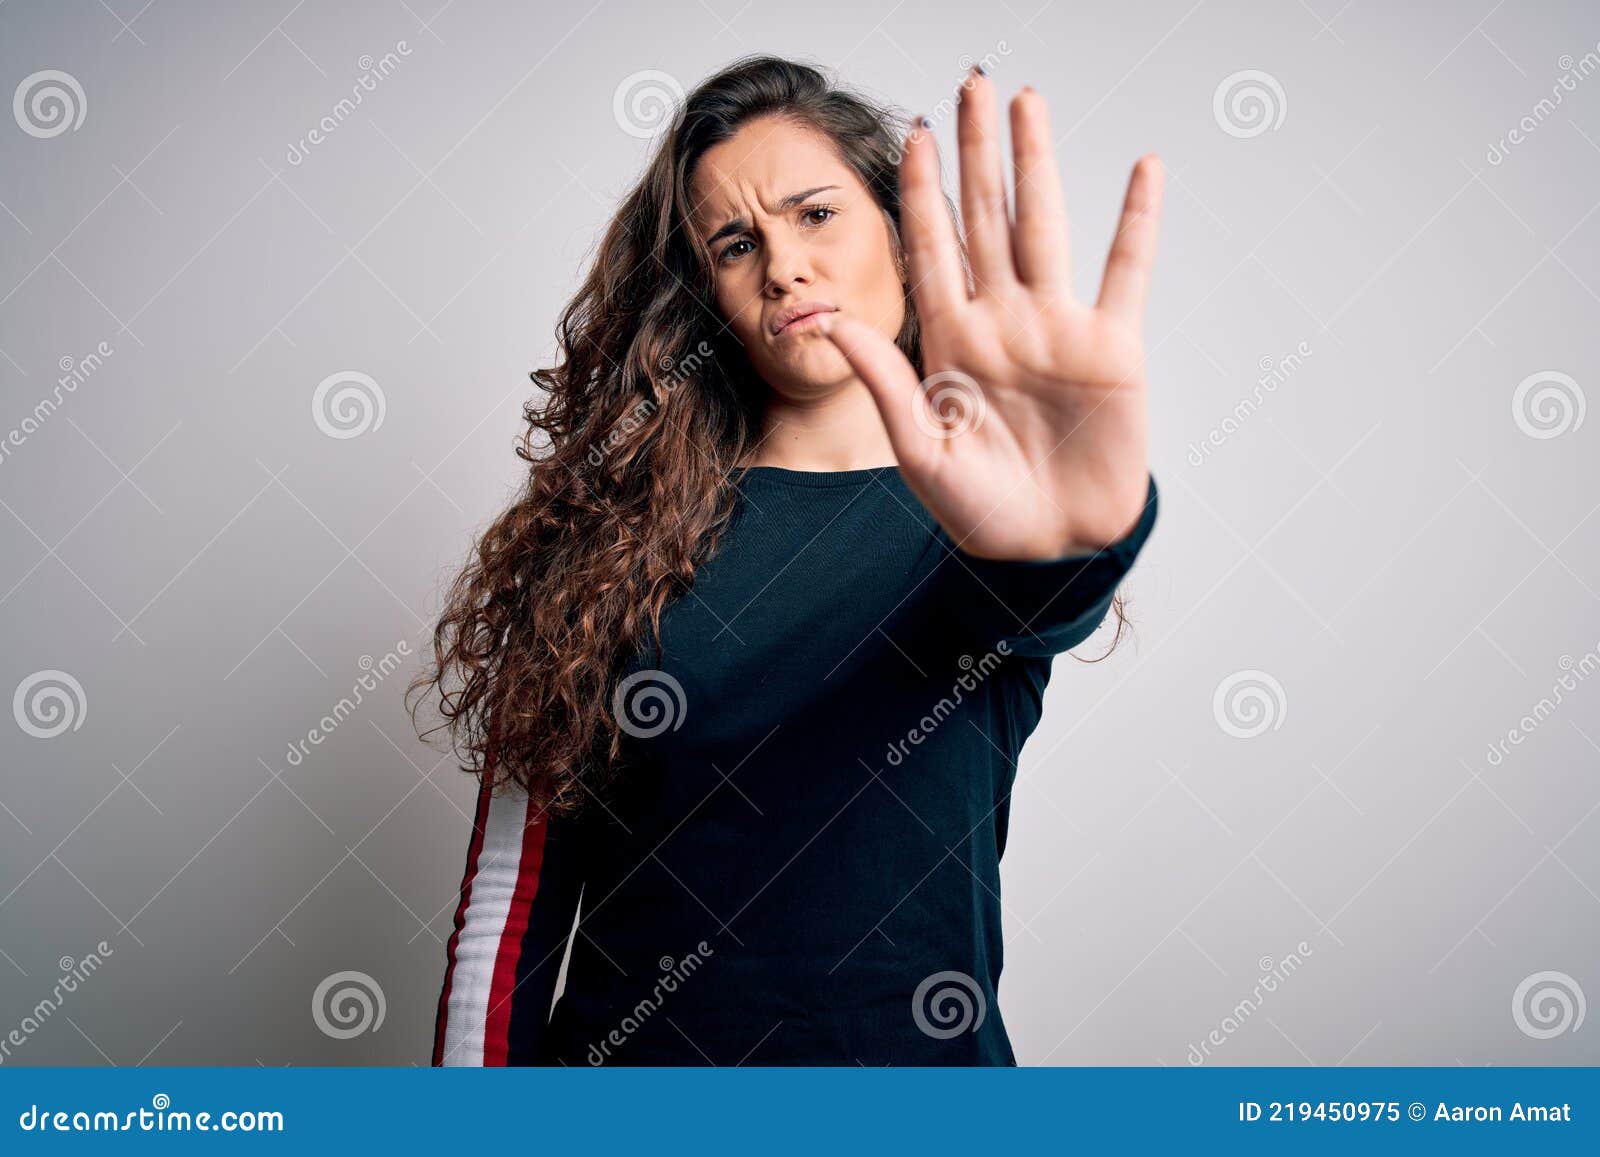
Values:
[(1042, 607), (518, 897)]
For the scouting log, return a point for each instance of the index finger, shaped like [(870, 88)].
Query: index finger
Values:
[(938, 278)]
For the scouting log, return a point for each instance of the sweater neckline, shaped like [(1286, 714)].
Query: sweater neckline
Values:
[(783, 476)]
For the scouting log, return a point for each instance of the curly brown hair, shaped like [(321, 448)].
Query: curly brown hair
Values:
[(647, 416)]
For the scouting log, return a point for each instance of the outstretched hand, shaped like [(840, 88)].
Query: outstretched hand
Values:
[(1027, 437)]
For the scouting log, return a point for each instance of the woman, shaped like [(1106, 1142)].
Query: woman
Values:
[(749, 663)]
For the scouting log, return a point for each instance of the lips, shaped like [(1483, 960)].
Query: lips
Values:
[(798, 311)]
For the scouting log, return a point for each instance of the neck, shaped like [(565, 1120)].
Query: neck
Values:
[(839, 431)]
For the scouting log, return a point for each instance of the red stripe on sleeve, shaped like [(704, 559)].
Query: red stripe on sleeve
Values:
[(497, 1025)]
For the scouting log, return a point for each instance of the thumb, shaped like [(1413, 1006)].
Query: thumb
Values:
[(888, 376)]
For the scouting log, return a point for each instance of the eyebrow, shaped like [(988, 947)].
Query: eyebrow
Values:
[(739, 224)]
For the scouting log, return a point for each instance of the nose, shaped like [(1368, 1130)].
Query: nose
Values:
[(788, 267)]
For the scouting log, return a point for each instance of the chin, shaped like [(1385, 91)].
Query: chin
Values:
[(812, 371), (807, 386)]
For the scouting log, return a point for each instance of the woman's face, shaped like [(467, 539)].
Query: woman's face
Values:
[(788, 222)]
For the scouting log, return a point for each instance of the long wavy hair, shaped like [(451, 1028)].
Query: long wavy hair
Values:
[(646, 417)]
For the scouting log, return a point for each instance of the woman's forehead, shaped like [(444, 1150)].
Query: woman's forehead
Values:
[(755, 169)]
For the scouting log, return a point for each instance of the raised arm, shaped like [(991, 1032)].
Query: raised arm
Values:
[(1027, 437), (1047, 606)]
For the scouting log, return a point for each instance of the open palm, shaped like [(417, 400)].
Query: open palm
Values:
[(1027, 437)]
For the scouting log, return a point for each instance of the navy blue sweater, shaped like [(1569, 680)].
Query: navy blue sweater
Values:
[(801, 862)]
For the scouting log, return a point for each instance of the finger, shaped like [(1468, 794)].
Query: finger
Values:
[(889, 377), (933, 255), (1040, 240), (1133, 250), (983, 190)]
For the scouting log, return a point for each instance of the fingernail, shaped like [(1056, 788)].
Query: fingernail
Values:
[(1027, 88), (979, 69), (924, 122)]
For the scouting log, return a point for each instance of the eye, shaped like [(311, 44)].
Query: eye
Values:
[(733, 252)]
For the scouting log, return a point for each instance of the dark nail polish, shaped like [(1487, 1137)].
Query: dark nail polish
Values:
[(924, 122), (979, 69)]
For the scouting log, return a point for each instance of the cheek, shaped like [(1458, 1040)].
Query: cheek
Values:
[(873, 267), (739, 305), (885, 297)]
